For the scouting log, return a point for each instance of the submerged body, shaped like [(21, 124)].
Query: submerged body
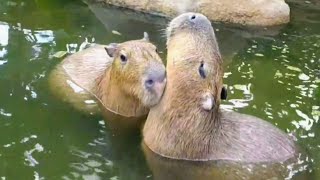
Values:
[(120, 80), (172, 169), (188, 124)]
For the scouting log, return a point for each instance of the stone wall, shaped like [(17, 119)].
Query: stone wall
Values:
[(241, 12)]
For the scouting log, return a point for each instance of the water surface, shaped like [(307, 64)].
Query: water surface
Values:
[(274, 76)]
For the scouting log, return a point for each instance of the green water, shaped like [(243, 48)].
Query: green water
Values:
[(273, 76)]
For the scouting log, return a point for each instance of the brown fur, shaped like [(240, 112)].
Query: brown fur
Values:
[(118, 88), (179, 128)]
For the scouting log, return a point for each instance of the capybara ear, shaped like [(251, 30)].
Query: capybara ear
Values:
[(208, 102), (146, 36), (111, 49), (224, 93)]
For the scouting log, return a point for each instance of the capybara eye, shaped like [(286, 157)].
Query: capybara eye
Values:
[(202, 71), (123, 58)]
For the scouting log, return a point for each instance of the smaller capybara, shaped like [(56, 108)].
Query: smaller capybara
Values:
[(125, 79), (187, 123)]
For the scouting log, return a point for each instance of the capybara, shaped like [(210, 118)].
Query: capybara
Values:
[(187, 123), (126, 79)]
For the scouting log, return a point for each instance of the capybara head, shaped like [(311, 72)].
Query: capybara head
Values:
[(194, 60), (138, 70), (189, 109)]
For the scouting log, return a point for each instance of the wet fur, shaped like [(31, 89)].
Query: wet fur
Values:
[(81, 69)]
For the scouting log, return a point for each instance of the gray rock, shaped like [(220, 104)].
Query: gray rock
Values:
[(242, 12)]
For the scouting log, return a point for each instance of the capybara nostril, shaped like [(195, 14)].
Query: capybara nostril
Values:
[(155, 77), (149, 83), (193, 17)]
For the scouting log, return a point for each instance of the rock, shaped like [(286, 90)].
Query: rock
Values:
[(241, 12)]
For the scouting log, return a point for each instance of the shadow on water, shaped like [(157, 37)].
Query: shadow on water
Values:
[(273, 76)]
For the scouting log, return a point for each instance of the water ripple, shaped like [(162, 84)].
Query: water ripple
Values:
[(28, 155), (7, 114)]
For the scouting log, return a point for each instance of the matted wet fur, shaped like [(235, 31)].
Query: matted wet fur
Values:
[(187, 124), (91, 77)]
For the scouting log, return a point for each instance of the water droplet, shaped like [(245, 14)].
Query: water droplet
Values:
[(293, 68), (259, 54), (93, 163), (304, 77), (116, 32)]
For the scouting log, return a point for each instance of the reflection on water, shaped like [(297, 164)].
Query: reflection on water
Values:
[(39, 37), (164, 168), (28, 155), (4, 34), (4, 38), (275, 77)]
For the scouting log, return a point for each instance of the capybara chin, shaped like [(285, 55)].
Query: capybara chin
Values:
[(124, 78), (187, 123)]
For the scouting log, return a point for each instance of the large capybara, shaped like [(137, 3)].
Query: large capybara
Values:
[(125, 79), (187, 123)]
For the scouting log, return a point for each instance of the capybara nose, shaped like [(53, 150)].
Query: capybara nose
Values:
[(192, 16), (155, 77), (195, 17)]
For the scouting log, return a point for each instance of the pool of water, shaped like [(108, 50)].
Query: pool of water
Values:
[(274, 75)]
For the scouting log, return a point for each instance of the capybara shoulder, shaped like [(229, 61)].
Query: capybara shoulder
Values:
[(85, 66), (73, 80)]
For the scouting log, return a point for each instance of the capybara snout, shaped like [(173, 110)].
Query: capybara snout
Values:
[(195, 21), (155, 75), (154, 83)]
